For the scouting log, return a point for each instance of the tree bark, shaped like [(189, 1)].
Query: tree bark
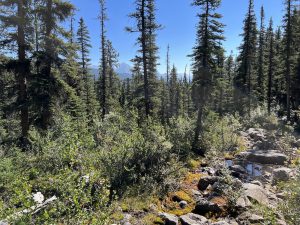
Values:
[(22, 71)]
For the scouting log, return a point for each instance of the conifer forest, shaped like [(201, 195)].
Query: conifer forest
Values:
[(214, 143)]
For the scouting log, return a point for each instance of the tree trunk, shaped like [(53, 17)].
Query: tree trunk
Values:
[(22, 71)]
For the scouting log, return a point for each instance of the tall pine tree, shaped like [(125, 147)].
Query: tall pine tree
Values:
[(209, 34)]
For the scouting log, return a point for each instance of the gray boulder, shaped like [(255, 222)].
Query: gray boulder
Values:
[(238, 169), (3, 222), (169, 219), (281, 174), (249, 217), (220, 223), (257, 193), (256, 134), (243, 203), (271, 157), (193, 219)]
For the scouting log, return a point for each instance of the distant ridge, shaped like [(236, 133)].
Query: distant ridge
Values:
[(124, 71)]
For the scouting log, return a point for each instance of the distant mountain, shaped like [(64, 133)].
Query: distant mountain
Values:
[(123, 70)]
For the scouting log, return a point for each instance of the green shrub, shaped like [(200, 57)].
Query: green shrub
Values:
[(135, 155), (291, 207), (219, 133), (180, 132), (56, 165)]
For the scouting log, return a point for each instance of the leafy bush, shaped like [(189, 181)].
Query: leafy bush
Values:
[(180, 132), (135, 155), (61, 163), (219, 133), (290, 207)]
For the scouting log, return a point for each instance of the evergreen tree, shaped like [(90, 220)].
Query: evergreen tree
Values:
[(186, 104), (261, 80), (19, 21), (209, 34), (279, 79), (89, 96), (229, 74), (113, 87), (288, 54), (168, 64), (246, 59), (47, 81), (103, 67), (174, 106), (146, 27), (271, 65), (295, 92)]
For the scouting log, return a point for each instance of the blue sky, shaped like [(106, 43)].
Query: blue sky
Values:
[(179, 20)]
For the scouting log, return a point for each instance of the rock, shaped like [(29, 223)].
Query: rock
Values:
[(237, 183), (38, 198), (255, 218), (281, 195), (256, 134), (243, 203), (3, 222), (272, 157), (204, 206), (249, 217), (126, 223), (126, 217), (220, 223), (237, 168), (281, 174), (183, 204), (281, 222), (153, 207), (257, 182), (196, 194), (296, 143), (206, 181), (256, 193), (193, 219), (237, 171), (169, 218)]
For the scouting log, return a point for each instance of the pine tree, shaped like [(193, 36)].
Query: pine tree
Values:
[(113, 86), (83, 40), (229, 74), (103, 68), (246, 59), (279, 79), (186, 106), (168, 64), (146, 27), (271, 65), (52, 13), (261, 80), (20, 21), (173, 92), (209, 34), (288, 54)]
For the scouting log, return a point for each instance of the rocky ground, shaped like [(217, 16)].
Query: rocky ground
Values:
[(234, 191)]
